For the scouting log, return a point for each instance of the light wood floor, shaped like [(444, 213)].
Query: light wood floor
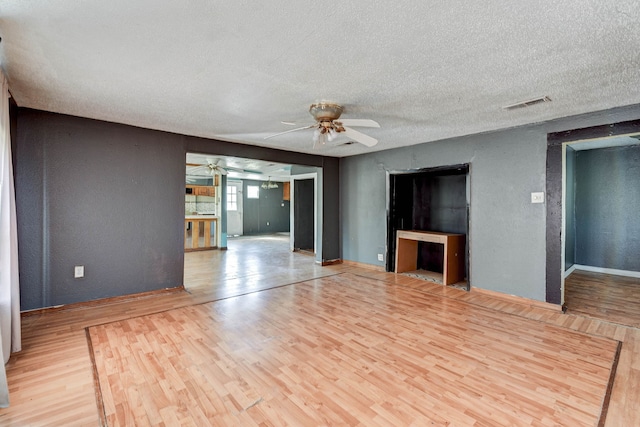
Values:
[(604, 296), (348, 350), (52, 382), (249, 264)]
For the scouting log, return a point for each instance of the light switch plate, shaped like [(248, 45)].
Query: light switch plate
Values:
[(537, 197)]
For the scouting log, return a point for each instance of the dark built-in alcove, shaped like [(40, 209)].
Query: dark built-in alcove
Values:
[(428, 200)]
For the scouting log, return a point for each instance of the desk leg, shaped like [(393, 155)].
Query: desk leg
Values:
[(406, 255), (454, 261)]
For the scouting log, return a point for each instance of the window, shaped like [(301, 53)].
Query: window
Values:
[(232, 198), (253, 192)]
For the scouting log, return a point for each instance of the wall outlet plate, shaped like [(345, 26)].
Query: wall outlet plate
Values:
[(380, 257), (537, 197), (78, 272)]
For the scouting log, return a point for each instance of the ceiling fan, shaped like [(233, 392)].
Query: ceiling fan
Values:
[(210, 168), (215, 168), (327, 126)]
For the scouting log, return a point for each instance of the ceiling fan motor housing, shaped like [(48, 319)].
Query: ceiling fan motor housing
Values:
[(325, 112)]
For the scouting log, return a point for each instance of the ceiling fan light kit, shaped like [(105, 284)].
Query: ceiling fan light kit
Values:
[(327, 127)]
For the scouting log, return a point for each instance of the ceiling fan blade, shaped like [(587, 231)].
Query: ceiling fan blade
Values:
[(359, 122), (222, 171), (292, 130), (360, 137), (195, 170)]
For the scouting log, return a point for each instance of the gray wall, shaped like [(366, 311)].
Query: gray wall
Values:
[(508, 237), (267, 214), (507, 240), (111, 197), (68, 208), (570, 218), (607, 205)]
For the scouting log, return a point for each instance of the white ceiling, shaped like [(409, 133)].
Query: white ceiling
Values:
[(233, 70)]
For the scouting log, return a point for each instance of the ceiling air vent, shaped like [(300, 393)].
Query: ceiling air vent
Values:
[(527, 103)]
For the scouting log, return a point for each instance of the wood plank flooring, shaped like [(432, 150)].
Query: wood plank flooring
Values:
[(347, 350), (604, 296), (51, 381), (249, 264)]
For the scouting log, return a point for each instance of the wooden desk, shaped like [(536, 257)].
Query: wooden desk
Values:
[(453, 263), (209, 221)]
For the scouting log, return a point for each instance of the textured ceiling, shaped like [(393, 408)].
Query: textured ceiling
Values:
[(233, 70)]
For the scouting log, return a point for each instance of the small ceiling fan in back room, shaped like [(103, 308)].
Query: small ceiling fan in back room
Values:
[(209, 169), (328, 126)]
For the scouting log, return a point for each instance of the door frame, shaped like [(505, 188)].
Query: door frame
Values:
[(555, 197), (314, 176), (563, 240)]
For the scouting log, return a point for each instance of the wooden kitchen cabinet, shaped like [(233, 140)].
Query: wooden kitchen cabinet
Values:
[(286, 191), (205, 191), (201, 190)]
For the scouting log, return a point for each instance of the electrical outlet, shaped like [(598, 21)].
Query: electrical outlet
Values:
[(537, 197), (267, 222), (78, 272), (380, 257)]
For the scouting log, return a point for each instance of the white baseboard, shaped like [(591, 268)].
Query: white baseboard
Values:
[(613, 271), (569, 271)]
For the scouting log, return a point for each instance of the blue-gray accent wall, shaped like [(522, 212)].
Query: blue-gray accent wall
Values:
[(570, 217), (607, 207), (269, 213)]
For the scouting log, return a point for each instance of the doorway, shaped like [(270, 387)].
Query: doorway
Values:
[(268, 215), (435, 200), (234, 208), (303, 212), (601, 234)]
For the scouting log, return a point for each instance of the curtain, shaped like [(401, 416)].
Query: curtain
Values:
[(10, 335)]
